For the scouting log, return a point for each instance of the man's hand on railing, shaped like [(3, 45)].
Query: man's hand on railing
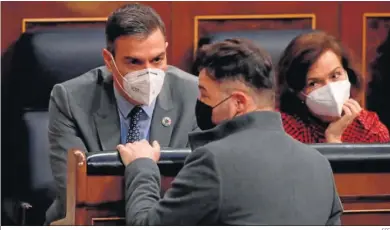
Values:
[(140, 149)]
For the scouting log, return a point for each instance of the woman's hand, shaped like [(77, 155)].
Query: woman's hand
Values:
[(335, 130)]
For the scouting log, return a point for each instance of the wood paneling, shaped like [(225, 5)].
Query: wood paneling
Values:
[(99, 200), (13, 13), (365, 198), (108, 221), (344, 20), (184, 14), (362, 183), (362, 30), (366, 219), (203, 25), (100, 188), (375, 29), (352, 25), (29, 24)]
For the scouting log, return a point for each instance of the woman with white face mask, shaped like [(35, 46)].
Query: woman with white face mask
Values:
[(320, 93)]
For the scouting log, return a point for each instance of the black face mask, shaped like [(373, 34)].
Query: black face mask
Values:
[(204, 113)]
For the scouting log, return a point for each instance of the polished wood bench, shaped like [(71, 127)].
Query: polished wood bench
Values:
[(96, 188), (362, 175)]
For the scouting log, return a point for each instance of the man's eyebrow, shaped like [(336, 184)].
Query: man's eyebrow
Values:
[(131, 58), (159, 55), (136, 58)]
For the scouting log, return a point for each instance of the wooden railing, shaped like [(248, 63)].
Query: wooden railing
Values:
[(95, 184)]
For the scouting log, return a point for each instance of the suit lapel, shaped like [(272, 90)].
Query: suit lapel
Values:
[(164, 117), (106, 117)]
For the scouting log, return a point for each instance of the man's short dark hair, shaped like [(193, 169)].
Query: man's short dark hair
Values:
[(132, 19), (237, 59)]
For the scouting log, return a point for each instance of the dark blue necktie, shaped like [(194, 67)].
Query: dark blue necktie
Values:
[(134, 133)]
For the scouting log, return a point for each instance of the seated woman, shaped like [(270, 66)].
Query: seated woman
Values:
[(319, 93)]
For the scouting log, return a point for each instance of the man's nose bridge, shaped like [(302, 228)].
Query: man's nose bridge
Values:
[(327, 81), (147, 65)]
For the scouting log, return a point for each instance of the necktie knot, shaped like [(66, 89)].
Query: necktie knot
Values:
[(135, 112)]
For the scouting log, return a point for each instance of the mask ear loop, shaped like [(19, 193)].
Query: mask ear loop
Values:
[(115, 79), (305, 95), (293, 92), (222, 101), (116, 67)]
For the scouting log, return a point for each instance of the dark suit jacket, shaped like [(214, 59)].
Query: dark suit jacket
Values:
[(84, 115), (246, 171)]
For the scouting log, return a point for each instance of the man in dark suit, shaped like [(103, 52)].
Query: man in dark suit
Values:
[(134, 96), (244, 168)]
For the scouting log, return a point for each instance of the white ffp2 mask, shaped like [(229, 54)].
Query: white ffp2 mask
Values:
[(329, 99), (144, 85)]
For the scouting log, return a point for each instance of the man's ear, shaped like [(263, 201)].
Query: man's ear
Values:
[(241, 100), (166, 45), (108, 59)]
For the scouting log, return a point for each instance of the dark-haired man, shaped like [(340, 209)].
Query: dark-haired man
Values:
[(134, 96), (244, 168)]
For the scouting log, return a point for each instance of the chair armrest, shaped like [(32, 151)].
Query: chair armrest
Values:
[(17, 211)]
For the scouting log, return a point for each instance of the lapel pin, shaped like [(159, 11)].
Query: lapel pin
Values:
[(166, 121)]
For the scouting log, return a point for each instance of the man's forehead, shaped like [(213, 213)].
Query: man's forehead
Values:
[(204, 77), (207, 81), (144, 55), (131, 46)]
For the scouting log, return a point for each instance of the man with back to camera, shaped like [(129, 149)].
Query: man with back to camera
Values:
[(134, 96), (244, 168)]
